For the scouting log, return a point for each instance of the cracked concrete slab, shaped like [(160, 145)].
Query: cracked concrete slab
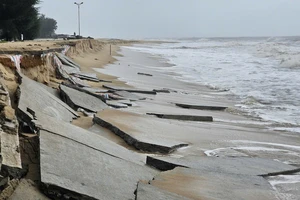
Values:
[(145, 133), (241, 166), (36, 100), (77, 99), (196, 184), (116, 104), (83, 165), (149, 192)]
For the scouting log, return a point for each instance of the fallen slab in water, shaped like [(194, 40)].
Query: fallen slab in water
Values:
[(77, 99), (105, 167), (149, 192), (200, 107), (242, 165), (144, 74), (198, 184), (129, 90), (129, 96), (184, 117), (139, 131)]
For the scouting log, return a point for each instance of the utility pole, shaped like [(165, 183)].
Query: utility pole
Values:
[(78, 4)]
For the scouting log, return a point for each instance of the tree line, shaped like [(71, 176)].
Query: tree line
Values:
[(22, 17)]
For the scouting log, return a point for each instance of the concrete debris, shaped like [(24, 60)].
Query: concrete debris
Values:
[(201, 107), (129, 90), (145, 135), (87, 76), (77, 99), (183, 117), (144, 74), (129, 96), (116, 104)]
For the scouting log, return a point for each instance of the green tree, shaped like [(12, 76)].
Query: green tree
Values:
[(18, 17), (47, 26)]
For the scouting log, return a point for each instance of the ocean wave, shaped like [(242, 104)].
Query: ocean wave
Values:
[(291, 62)]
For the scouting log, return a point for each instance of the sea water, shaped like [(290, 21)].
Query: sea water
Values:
[(262, 74)]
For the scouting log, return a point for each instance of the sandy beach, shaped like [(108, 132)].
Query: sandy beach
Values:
[(129, 124)]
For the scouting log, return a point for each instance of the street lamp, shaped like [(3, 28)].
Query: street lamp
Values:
[(78, 4)]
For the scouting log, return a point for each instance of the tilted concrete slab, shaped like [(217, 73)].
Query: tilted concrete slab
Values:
[(87, 76), (149, 192), (201, 107), (183, 117), (116, 104), (82, 165), (129, 96), (242, 165), (36, 100), (90, 139), (196, 184), (77, 99), (145, 133), (129, 90), (10, 150)]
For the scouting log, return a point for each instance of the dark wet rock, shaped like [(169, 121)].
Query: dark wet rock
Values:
[(198, 184), (129, 96), (201, 107), (162, 90), (242, 166), (144, 74), (27, 190), (77, 99), (35, 101), (183, 117), (129, 90), (78, 164), (144, 135), (149, 192)]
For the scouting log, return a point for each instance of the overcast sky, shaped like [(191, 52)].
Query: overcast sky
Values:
[(176, 18)]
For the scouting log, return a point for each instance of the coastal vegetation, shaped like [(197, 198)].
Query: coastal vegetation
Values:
[(20, 19)]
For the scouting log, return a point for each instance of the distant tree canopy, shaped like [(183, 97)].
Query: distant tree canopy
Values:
[(47, 27), (19, 17)]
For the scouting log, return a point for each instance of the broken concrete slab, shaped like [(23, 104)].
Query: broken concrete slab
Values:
[(35, 101), (197, 184), (241, 166), (142, 132), (66, 61), (70, 70), (10, 150), (27, 190), (77, 99), (86, 90), (144, 74), (87, 138), (129, 96), (149, 192), (95, 90), (101, 172), (184, 117), (87, 76), (116, 104), (129, 90), (201, 107)]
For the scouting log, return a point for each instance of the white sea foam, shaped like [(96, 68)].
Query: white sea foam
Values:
[(262, 73)]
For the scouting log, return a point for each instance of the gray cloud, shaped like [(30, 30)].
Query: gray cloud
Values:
[(177, 18)]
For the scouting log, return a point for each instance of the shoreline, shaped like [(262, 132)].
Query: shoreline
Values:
[(136, 122)]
